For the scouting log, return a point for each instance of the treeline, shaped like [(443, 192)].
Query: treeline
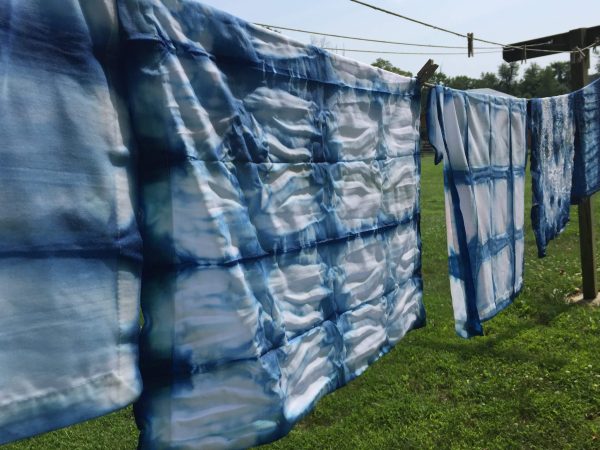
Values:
[(536, 81)]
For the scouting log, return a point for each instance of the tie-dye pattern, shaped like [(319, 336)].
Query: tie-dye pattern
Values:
[(551, 124), (586, 171), (70, 252), (279, 188), (481, 139)]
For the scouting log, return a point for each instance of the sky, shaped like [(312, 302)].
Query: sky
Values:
[(503, 21)]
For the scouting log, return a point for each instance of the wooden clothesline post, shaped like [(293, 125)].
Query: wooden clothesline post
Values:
[(579, 78), (573, 40)]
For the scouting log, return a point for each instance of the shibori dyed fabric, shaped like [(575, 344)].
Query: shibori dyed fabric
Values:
[(70, 253), (586, 170), (551, 123), (280, 197), (481, 139)]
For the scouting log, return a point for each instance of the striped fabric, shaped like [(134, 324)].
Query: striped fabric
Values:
[(70, 252), (279, 189), (481, 139), (551, 123), (586, 175)]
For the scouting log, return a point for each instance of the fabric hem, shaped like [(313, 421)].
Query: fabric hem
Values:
[(121, 392)]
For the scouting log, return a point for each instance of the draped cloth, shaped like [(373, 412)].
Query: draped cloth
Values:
[(279, 187), (565, 157), (70, 251), (552, 127), (586, 171), (481, 140)]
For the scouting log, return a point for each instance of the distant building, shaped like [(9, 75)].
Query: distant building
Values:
[(488, 91)]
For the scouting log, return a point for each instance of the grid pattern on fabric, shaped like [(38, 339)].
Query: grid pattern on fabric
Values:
[(586, 172), (551, 123), (70, 251), (280, 190), (481, 140)]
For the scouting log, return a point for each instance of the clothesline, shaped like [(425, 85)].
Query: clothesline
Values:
[(445, 30), (380, 41), (403, 53)]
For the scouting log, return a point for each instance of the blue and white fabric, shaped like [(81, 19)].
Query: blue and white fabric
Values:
[(279, 189), (481, 139), (70, 253), (586, 171), (552, 128)]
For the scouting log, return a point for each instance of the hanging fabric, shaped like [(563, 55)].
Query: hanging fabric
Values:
[(481, 140), (70, 251), (279, 189), (551, 123), (586, 172)]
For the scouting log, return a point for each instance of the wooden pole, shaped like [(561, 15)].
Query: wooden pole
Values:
[(588, 249), (587, 242)]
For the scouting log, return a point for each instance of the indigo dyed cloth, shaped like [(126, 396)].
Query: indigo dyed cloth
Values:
[(69, 246), (481, 140), (551, 123), (279, 189), (586, 171)]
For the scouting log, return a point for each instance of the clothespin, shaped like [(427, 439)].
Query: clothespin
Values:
[(427, 71), (470, 51)]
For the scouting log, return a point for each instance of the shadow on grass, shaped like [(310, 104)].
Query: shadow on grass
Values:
[(507, 343)]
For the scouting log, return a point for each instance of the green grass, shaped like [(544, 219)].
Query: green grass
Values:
[(532, 382)]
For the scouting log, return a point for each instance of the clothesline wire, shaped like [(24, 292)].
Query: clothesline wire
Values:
[(455, 33), (403, 53), (379, 41)]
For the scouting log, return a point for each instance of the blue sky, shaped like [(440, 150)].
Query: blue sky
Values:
[(502, 21)]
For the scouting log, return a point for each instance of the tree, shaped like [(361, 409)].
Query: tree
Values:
[(439, 78), (538, 82), (562, 73), (508, 74), (551, 80), (529, 84), (488, 80), (462, 82), (386, 65)]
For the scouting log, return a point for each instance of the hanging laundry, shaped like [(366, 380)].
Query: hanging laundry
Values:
[(70, 251), (280, 186), (551, 123), (481, 139), (586, 172)]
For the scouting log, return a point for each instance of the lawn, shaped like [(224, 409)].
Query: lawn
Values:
[(532, 382)]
